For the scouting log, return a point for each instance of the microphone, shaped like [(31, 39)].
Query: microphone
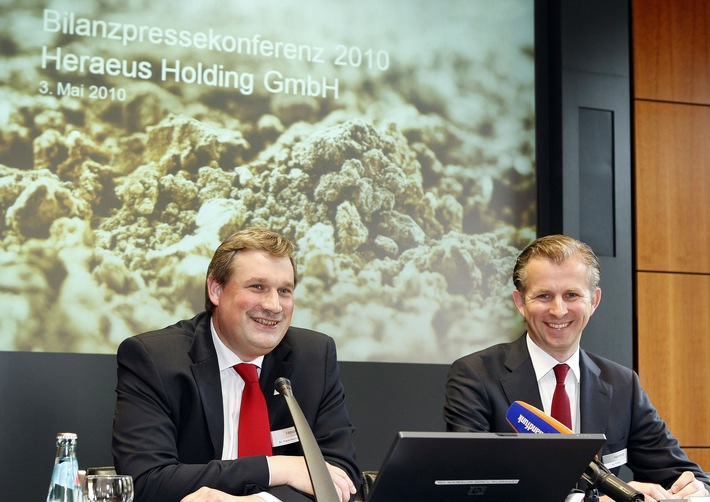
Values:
[(323, 485), (525, 418)]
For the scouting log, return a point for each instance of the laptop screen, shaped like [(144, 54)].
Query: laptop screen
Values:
[(483, 467)]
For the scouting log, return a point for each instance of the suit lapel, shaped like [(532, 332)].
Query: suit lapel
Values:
[(595, 396), (275, 365), (206, 372), (520, 384)]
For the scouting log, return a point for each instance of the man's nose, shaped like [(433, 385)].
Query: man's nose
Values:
[(558, 307), (271, 301)]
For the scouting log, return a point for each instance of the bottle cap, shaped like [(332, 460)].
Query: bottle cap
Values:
[(66, 435)]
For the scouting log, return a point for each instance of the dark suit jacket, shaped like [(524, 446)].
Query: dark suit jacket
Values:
[(481, 387), (168, 424)]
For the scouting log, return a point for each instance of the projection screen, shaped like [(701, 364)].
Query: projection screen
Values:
[(392, 140)]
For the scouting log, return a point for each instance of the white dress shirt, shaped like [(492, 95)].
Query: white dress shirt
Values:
[(232, 389), (543, 363)]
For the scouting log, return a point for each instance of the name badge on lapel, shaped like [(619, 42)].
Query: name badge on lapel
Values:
[(283, 437), (615, 459)]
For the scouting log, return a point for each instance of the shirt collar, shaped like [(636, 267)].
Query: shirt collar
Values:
[(544, 362), (225, 357)]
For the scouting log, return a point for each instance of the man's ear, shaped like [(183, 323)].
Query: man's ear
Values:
[(596, 299), (214, 289), (519, 302)]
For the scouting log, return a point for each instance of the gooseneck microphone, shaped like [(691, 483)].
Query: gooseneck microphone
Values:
[(528, 419), (598, 475), (323, 485)]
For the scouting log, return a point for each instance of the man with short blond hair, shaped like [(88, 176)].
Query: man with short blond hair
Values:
[(556, 281)]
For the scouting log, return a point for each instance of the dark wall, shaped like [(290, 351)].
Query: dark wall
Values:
[(385, 398), (584, 145), (42, 394)]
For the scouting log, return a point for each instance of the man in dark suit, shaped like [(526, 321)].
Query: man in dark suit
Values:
[(557, 290), (178, 396)]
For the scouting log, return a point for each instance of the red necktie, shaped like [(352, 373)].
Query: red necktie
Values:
[(254, 434), (560, 400)]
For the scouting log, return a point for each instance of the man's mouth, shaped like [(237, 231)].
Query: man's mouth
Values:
[(265, 322), (559, 326)]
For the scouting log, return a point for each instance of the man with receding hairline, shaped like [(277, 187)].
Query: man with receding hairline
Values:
[(556, 281)]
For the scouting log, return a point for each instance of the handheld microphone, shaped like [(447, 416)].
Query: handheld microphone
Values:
[(525, 418), (323, 485)]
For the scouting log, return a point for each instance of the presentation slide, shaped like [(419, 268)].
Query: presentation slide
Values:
[(392, 140)]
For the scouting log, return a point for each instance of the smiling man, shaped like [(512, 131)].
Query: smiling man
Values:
[(556, 281), (179, 425)]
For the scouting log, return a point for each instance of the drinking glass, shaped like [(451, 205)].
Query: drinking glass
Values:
[(108, 488)]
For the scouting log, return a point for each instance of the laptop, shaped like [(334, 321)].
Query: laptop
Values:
[(483, 466)]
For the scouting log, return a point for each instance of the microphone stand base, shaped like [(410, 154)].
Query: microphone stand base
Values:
[(591, 495)]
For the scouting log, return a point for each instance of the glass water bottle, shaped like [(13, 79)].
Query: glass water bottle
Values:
[(65, 485)]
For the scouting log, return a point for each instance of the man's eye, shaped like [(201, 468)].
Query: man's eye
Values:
[(256, 286), (285, 291)]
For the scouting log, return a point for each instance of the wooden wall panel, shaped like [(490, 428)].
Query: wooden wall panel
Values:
[(700, 456), (671, 54), (674, 351), (671, 40), (672, 184)]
